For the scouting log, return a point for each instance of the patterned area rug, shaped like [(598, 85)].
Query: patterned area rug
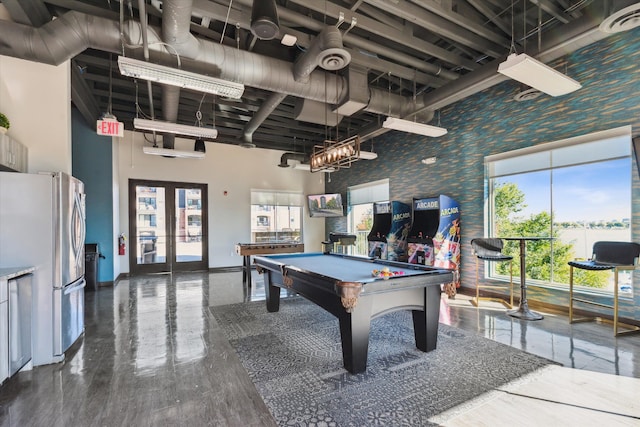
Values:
[(294, 358)]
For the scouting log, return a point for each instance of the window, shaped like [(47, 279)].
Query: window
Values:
[(145, 220), (276, 216), (577, 191), (263, 221), (360, 200), (147, 203), (194, 220)]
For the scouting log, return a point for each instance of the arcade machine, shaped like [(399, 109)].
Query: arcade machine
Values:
[(388, 236), (434, 238)]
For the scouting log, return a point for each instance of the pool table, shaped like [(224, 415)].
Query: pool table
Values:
[(345, 286)]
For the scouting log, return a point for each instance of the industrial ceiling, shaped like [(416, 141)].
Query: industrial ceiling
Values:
[(316, 70)]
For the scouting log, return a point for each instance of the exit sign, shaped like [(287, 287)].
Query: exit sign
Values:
[(110, 127)]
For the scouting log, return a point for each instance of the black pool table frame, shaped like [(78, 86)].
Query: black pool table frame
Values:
[(356, 302)]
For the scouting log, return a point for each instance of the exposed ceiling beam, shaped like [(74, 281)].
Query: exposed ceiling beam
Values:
[(463, 21), (440, 26), (82, 97), (28, 12), (552, 9)]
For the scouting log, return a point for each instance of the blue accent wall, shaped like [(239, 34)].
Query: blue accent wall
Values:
[(492, 122), (92, 164)]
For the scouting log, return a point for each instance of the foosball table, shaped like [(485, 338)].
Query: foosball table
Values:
[(247, 249)]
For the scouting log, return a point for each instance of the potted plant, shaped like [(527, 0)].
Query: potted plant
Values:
[(4, 123)]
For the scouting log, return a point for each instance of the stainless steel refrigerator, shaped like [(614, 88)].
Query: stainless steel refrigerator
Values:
[(42, 224)]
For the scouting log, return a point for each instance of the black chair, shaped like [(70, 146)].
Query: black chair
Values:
[(490, 249), (616, 256)]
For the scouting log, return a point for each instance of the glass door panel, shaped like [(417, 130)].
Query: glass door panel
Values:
[(188, 225), (167, 225), (150, 238)]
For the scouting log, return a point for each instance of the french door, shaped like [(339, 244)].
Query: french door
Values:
[(167, 226)]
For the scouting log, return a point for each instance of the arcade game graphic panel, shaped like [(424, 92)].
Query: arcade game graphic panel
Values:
[(388, 236), (434, 238)]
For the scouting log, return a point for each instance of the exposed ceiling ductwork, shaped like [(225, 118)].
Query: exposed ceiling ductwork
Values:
[(265, 24), (325, 51), (387, 64), (284, 159), (622, 15)]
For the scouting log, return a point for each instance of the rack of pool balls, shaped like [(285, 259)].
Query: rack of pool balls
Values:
[(385, 273)]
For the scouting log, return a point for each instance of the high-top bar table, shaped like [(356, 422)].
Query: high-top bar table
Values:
[(523, 312)]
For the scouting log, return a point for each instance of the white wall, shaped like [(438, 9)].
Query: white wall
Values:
[(226, 167), (36, 98)]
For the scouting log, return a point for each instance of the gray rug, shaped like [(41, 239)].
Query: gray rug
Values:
[(294, 358)]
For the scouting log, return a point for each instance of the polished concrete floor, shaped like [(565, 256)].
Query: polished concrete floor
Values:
[(153, 354)]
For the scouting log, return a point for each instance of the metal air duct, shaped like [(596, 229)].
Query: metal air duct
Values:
[(65, 37), (264, 19), (284, 159), (622, 15), (325, 51)]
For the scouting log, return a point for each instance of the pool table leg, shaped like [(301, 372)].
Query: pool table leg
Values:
[(272, 293), (354, 333), (425, 323), (246, 270)]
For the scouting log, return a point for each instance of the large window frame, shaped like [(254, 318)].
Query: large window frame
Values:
[(360, 200), (276, 216), (555, 162)]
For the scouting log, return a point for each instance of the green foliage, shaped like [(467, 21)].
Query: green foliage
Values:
[(4, 121), (509, 199), (333, 204)]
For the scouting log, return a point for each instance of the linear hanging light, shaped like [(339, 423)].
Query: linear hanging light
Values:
[(168, 127), (367, 155), (335, 154), (169, 152), (176, 77), (530, 71), (413, 127)]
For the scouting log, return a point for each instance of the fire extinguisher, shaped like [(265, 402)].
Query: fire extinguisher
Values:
[(121, 247)]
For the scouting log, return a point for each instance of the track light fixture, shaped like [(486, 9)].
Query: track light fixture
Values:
[(168, 127), (176, 77), (413, 127), (169, 152), (530, 71)]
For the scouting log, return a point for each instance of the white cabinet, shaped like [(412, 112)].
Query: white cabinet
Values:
[(13, 155), (15, 320), (4, 330)]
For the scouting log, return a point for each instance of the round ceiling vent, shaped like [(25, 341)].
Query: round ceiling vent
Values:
[(334, 58), (527, 95), (622, 20)]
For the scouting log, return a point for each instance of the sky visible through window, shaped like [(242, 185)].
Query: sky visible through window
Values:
[(591, 192)]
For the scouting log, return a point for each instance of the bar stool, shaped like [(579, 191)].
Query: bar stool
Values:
[(616, 256), (490, 249)]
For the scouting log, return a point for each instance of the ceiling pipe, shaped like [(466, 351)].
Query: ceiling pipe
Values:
[(142, 7), (265, 24), (176, 21), (63, 38), (284, 159), (326, 51), (260, 116)]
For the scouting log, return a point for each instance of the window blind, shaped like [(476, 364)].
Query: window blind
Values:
[(593, 147), (276, 198), (370, 192)]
